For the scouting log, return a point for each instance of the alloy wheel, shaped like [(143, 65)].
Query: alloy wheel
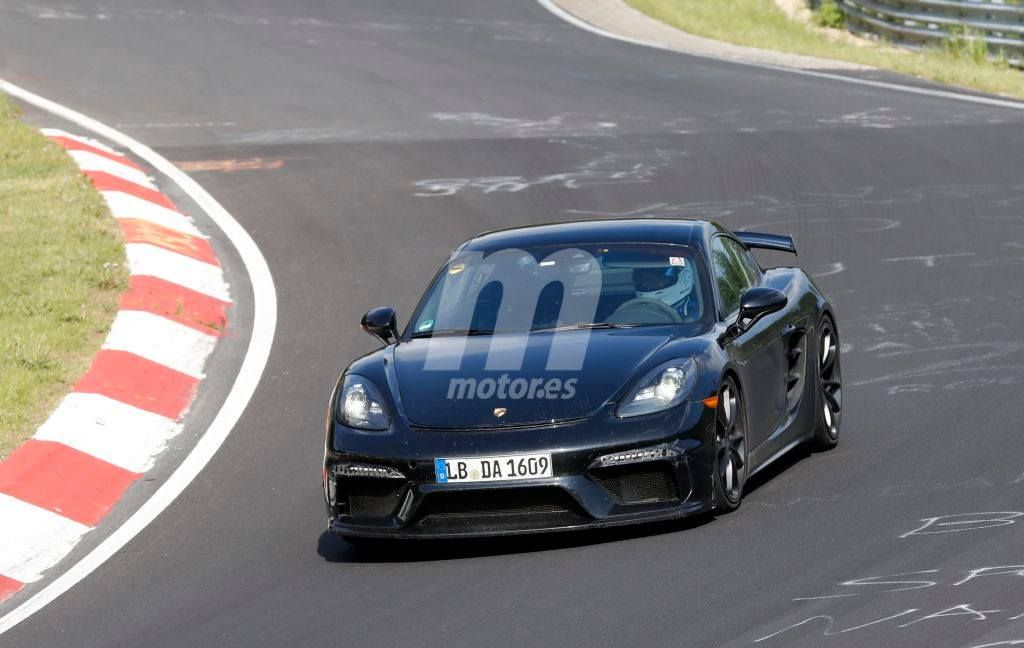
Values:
[(730, 441), (831, 379)]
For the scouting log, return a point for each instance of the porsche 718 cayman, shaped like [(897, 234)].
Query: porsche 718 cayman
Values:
[(580, 375)]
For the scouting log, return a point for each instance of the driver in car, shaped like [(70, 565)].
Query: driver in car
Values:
[(672, 286)]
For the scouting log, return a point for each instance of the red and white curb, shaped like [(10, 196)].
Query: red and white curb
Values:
[(122, 413)]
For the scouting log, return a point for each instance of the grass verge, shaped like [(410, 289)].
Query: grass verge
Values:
[(61, 270), (760, 23)]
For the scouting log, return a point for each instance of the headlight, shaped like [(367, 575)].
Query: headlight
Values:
[(664, 387), (360, 405)]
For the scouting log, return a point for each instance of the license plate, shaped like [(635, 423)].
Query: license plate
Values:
[(466, 470)]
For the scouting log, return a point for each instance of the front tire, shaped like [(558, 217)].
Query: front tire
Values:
[(830, 387), (730, 448)]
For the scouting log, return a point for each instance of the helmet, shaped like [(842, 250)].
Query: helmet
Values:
[(670, 285)]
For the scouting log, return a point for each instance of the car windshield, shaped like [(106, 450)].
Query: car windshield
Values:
[(551, 288)]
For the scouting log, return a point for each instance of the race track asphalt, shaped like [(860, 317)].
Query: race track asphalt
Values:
[(387, 132)]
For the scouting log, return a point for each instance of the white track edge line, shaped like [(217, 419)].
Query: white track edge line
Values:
[(944, 94), (256, 355)]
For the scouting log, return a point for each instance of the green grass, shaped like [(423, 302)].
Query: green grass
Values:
[(61, 270), (759, 23), (829, 15)]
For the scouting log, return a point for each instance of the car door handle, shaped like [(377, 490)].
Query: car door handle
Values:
[(787, 330)]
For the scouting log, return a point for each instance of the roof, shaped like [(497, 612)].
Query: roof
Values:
[(631, 230)]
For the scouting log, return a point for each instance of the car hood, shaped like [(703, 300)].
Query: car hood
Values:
[(470, 395)]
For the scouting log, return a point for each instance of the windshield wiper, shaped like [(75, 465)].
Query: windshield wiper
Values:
[(451, 332), (584, 326)]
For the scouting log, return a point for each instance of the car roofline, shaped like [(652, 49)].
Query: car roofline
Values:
[(696, 225)]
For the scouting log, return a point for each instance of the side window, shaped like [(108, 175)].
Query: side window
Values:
[(730, 275), (750, 265)]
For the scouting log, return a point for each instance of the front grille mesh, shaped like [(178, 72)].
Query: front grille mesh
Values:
[(456, 505), (644, 483), (373, 497)]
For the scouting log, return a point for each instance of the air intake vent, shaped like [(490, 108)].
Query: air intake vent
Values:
[(496, 503), (796, 362), (647, 483), (372, 497)]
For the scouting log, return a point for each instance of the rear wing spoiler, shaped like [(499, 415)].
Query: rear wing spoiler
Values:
[(779, 242)]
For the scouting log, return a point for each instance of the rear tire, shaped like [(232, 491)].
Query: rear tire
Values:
[(730, 448), (829, 384)]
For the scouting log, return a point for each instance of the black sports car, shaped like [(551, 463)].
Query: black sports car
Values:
[(583, 374)]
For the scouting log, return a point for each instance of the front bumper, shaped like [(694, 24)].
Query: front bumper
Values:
[(391, 491)]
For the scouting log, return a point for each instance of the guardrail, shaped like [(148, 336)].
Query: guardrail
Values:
[(919, 23)]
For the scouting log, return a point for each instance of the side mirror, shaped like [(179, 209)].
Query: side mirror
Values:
[(381, 323), (755, 303)]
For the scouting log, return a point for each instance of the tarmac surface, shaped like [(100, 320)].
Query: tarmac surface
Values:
[(359, 141)]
